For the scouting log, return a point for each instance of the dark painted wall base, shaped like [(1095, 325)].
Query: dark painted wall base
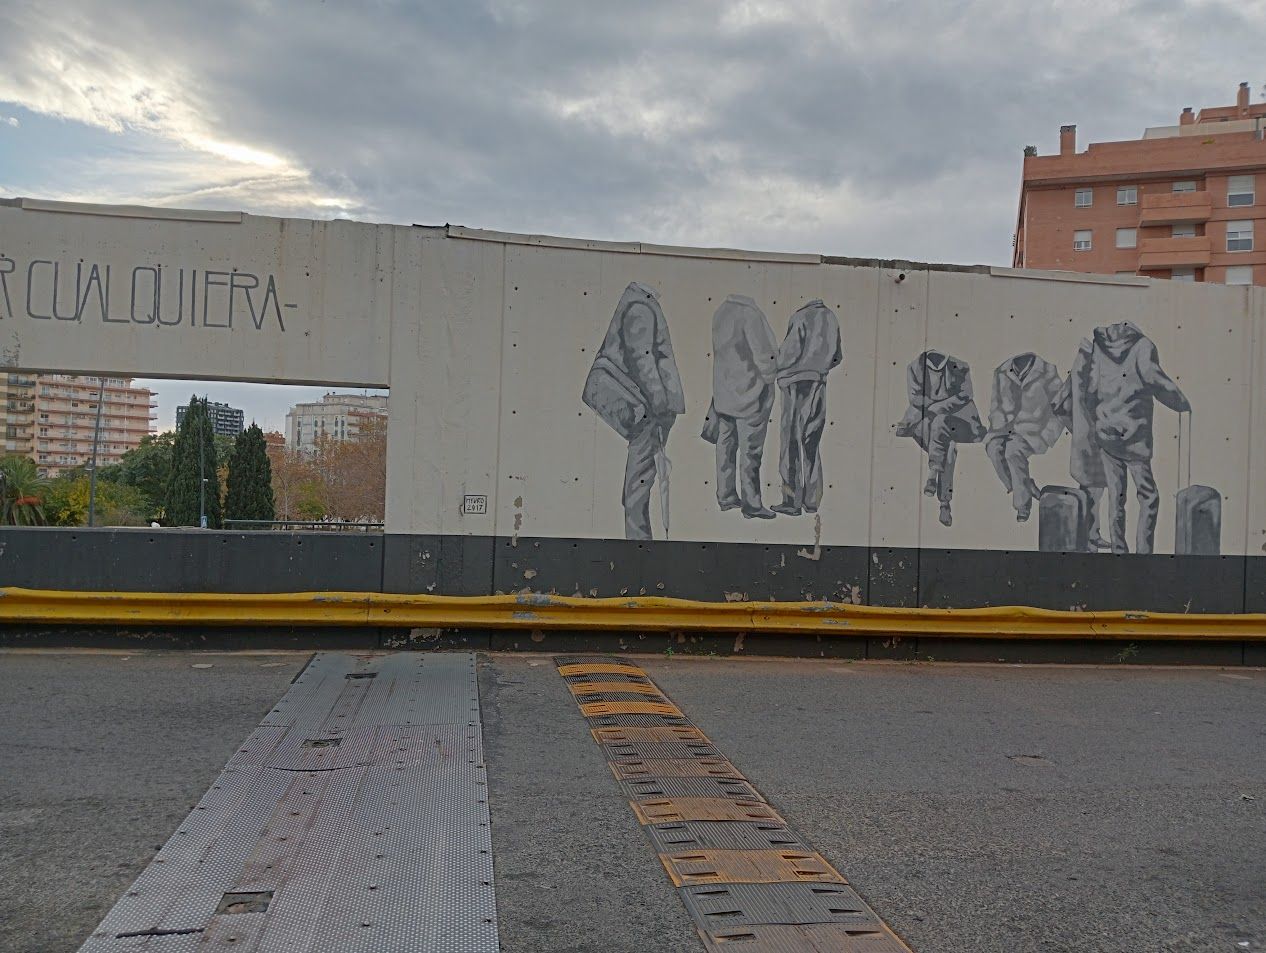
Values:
[(198, 561), (719, 644)]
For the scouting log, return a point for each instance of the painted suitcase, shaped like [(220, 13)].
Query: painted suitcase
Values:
[(1198, 509), (1198, 529), (1063, 520)]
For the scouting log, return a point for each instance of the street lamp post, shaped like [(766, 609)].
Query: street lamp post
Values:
[(202, 467), (96, 439)]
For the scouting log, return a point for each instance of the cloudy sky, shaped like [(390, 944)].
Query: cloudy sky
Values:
[(868, 129)]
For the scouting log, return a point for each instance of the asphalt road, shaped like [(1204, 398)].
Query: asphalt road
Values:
[(977, 808)]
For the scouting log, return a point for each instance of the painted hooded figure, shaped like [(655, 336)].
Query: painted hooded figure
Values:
[(809, 352), (641, 387), (1125, 380), (744, 362), (1022, 423), (1085, 460), (942, 413)]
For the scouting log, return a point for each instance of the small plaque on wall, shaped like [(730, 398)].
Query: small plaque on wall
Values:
[(474, 504)]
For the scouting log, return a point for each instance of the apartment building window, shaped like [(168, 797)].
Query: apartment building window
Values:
[(1239, 236), (1183, 274), (1128, 195), (1081, 240), (1184, 231), (1239, 275), (1184, 186), (1239, 190), (1127, 238), (1083, 198)]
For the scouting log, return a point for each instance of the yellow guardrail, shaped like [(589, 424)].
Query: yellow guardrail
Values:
[(643, 614)]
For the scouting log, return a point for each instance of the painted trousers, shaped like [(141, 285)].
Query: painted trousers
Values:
[(938, 436), (799, 459), (1010, 458), (1119, 472), (740, 447), (639, 478)]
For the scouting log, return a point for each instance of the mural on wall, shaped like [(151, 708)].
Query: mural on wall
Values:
[(941, 415), (634, 386), (1106, 402), (744, 365), (1125, 379), (811, 349), (1022, 424)]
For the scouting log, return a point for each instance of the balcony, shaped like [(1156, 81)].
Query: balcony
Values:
[(1162, 253), (1175, 208)]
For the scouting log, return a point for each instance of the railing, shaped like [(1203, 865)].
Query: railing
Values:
[(336, 526)]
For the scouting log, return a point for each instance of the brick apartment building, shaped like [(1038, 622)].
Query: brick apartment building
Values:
[(51, 419), (1186, 202)]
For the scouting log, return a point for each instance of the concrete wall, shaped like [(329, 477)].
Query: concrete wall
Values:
[(486, 392), (499, 475)]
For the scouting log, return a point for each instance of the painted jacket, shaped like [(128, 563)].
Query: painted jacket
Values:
[(940, 385), (812, 346), (637, 342), (1072, 406), (744, 357), (1125, 381), (1023, 389)]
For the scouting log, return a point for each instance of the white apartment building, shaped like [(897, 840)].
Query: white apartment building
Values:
[(334, 416)]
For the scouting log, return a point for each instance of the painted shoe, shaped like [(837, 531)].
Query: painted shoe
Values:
[(730, 504), (764, 513), (945, 516), (929, 488), (786, 509)]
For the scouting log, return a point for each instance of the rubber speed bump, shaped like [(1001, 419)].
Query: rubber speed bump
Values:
[(636, 735), (644, 769), (703, 809), (748, 881), (748, 866), (598, 688)]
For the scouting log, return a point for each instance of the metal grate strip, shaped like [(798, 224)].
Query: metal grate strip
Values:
[(606, 736), (721, 835), (743, 904), (809, 938), (359, 809), (643, 789), (645, 769), (703, 809)]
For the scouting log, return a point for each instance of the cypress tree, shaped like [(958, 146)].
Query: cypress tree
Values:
[(249, 494), (192, 458)]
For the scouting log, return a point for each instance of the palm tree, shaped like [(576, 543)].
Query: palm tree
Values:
[(22, 491)]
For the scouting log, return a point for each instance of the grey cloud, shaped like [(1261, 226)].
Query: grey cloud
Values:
[(912, 116)]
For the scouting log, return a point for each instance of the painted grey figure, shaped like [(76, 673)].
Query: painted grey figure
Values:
[(1085, 460), (1022, 423), (1126, 380), (744, 362), (810, 350), (942, 414), (635, 387)]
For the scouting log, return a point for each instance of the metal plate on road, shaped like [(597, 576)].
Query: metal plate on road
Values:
[(354, 819), (768, 866), (809, 938), (642, 789), (727, 905)]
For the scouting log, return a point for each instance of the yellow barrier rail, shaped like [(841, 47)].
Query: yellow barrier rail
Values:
[(642, 614)]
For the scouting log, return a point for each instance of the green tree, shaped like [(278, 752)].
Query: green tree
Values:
[(117, 503), (147, 469), (22, 493), (193, 459), (249, 488)]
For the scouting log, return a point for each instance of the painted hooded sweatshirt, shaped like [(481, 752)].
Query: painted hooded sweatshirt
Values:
[(1125, 380), (637, 342), (940, 385), (1023, 388), (744, 357), (1072, 406), (812, 346)]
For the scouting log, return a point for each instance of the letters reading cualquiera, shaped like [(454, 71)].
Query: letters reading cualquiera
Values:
[(145, 294)]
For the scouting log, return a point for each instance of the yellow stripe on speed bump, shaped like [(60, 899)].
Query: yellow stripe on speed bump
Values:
[(600, 668), (633, 688), (591, 709)]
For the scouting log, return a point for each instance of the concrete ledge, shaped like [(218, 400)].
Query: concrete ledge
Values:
[(527, 612)]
